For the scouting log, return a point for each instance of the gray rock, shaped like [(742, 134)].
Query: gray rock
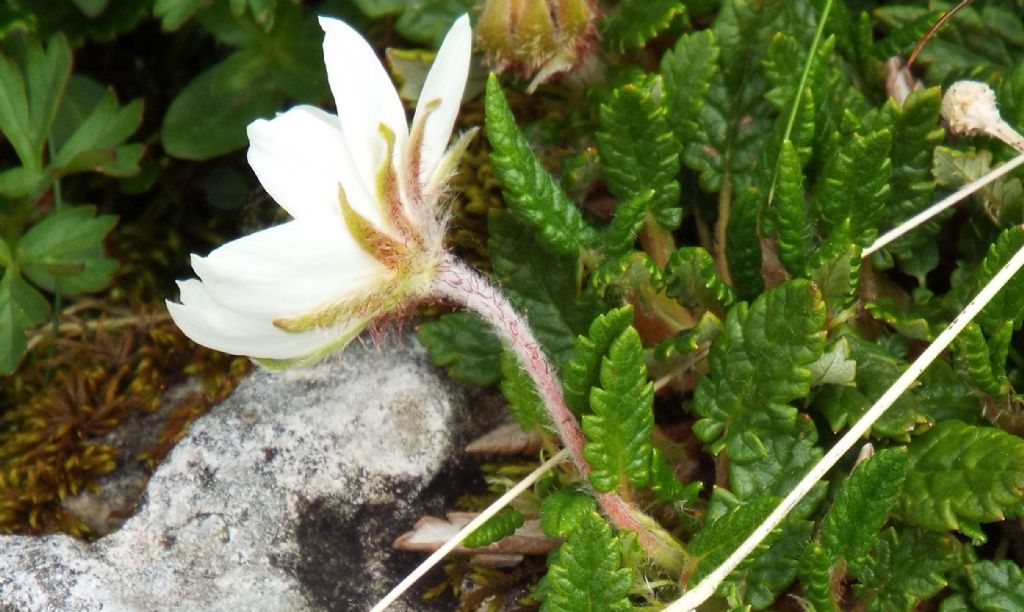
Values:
[(287, 496)]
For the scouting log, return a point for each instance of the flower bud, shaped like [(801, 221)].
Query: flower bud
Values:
[(536, 38)]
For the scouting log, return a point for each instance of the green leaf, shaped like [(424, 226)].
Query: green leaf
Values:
[(915, 133), (95, 144), (541, 284), (562, 512), (619, 430), (690, 278), (953, 169), (686, 72), (716, 541), (208, 118), (30, 95), (639, 151), (465, 346), (815, 578), (736, 117), (518, 388), (906, 567), (666, 486), (20, 182), (634, 22), (262, 11), (65, 250), (996, 585), (624, 228), (877, 369), (862, 506), (582, 372), (773, 570), (529, 190), (835, 366), (427, 21), (836, 272), (795, 234), (376, 9), (21, 307), (1008, 304), (854, 187), (173, 13), (743, 244), (788, 458), (759, 365), (961, 475), (584, 573), (986, 367), (495, 528)]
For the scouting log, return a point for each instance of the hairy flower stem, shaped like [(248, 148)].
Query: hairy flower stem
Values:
[(461, 284)]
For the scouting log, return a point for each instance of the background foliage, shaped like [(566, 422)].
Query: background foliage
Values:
[(681, 219)]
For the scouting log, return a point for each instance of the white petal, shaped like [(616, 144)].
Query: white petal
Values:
[(289, 270), (365, 97), (445, 82), (300, 158), (217, 327)]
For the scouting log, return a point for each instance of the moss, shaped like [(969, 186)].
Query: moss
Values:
[(71, 395)]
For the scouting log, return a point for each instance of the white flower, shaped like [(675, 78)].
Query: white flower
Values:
[(364, 191)]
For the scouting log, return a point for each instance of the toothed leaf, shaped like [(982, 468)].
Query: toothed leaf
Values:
[(877, 368), (524, 404), (854, 187), (1008, 304), (985, 364), (996, 586), (529, 189), (619, 430), (861, 508), (634, 22), (906, 567), (759, 365), (715, 542), (583, 371), (736, 118), (624, 228), (795, 234), (639, 151), (495, 528), (915, 132), (666, 486), (465, 346), (690, 277), (962, 475), (562, 512), (686, 72), (584, 573), (541, 284)]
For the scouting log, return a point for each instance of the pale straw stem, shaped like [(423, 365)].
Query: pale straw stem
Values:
[(709, 585), (481, 518), (943, 204)]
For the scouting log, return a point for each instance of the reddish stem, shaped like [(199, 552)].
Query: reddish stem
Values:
[(463, 285)]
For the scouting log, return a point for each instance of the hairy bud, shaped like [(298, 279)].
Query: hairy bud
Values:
[(536, 38)]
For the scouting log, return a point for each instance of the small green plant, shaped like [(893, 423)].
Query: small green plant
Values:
[(58, 124)]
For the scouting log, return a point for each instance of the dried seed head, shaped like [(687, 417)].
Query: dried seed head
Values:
[(969, 108)]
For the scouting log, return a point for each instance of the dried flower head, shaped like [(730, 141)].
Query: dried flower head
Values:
[(969, 108)]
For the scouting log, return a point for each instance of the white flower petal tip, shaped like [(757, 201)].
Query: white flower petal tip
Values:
[(442, 95), (366, 235)]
